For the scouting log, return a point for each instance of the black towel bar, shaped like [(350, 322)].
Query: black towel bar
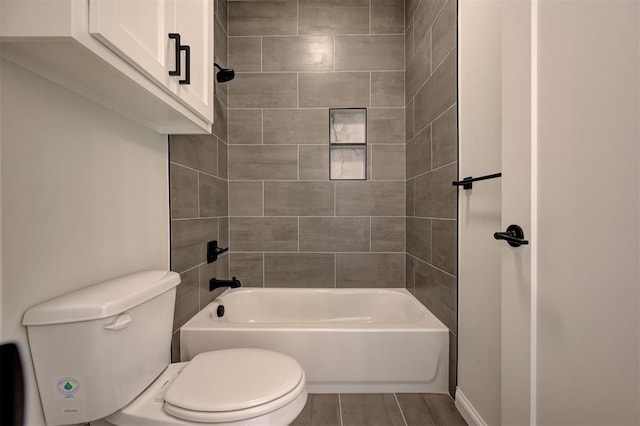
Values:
[(467, 183)]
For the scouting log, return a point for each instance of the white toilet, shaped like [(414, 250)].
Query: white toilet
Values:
[(102, 354)]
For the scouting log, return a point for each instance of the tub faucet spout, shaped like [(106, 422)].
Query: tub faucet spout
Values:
[(215, 283)]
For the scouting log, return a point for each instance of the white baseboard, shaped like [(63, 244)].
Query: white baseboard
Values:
[(469, 413)]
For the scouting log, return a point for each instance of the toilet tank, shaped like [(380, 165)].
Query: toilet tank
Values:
[(95, 349)]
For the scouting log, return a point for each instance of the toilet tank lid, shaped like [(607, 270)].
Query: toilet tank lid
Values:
[(102, 300)]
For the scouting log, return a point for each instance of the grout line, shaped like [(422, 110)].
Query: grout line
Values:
[(297, 90), (262, 126), (263, 199), (400, 408), (335, 270), (298, 234), (369, 17), (370, 233), (297, 17), (264, 278), (261, 56)]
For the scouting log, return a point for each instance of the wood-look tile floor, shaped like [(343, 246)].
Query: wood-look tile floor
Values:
[(402, 409)]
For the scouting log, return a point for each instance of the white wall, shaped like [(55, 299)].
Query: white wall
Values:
[(589, 212), (479, 326), (84, 198)]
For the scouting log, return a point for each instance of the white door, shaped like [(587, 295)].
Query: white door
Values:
[(137, 30), (571, 179), (517, 207)]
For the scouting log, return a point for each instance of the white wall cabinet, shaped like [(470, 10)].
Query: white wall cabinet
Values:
[(119, 53)]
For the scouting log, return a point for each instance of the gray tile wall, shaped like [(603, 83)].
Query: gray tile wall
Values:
[(199, 191), (289, 225), (431, 160)]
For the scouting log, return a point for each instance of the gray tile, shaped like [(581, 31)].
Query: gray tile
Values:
[(445, 247), (370, 410), (259, 234), (369, 52), (425, 15), (409, 193), (369, 198), (434, 194), (333, 17), (296, 126), (334, 234), (410, 274), (195, 151), (408, 45), (419, 238), (245, 126), (453, 363), (191, 231), (298, 199), (248, 268), (245, 54), (341, 89), (385, 125), (186, 257), (419, 153), (184, 192), (408, 117), (265, 17), (220, 44), (222, 12), (223, 160), (186, 305), (437, 291), (314, 162), (418, 68), (444, 32), (175, 347), (220, 119), (223, 231), (387, 234), (388, 162), (320, 410), (410, 10), (218, 269), (299, 270), (245, 198), (387, 89), (370, 270), (302, 53), (387, 16), (221, 91), (429, 410), (438, 94), (263, 90), (261, 162), (214, 196), (445, 138)]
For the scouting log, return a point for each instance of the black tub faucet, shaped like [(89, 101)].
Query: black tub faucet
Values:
[(215, 283)]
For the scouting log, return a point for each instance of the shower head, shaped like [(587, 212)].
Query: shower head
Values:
[(225, 74)]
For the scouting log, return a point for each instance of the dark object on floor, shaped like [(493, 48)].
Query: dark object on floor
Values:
[(12, 401)]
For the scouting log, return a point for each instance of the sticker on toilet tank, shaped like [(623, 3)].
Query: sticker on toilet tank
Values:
[(68, 386)]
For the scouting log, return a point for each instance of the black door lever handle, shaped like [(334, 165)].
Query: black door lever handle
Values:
[(514, 235)]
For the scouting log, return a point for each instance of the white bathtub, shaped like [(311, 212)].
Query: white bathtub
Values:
[(347, 340)]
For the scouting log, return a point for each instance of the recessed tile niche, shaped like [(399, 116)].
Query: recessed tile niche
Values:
[(348, 144)]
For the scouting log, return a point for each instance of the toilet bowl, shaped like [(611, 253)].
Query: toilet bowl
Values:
[(101, 355), (230, 387)]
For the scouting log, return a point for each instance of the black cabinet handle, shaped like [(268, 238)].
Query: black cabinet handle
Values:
[(187, 65), (514, 236), (176, 37)]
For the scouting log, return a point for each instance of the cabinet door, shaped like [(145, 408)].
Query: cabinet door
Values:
[(193, 20), (137, 30)]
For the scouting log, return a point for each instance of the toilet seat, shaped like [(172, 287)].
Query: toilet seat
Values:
[(234, 384)]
